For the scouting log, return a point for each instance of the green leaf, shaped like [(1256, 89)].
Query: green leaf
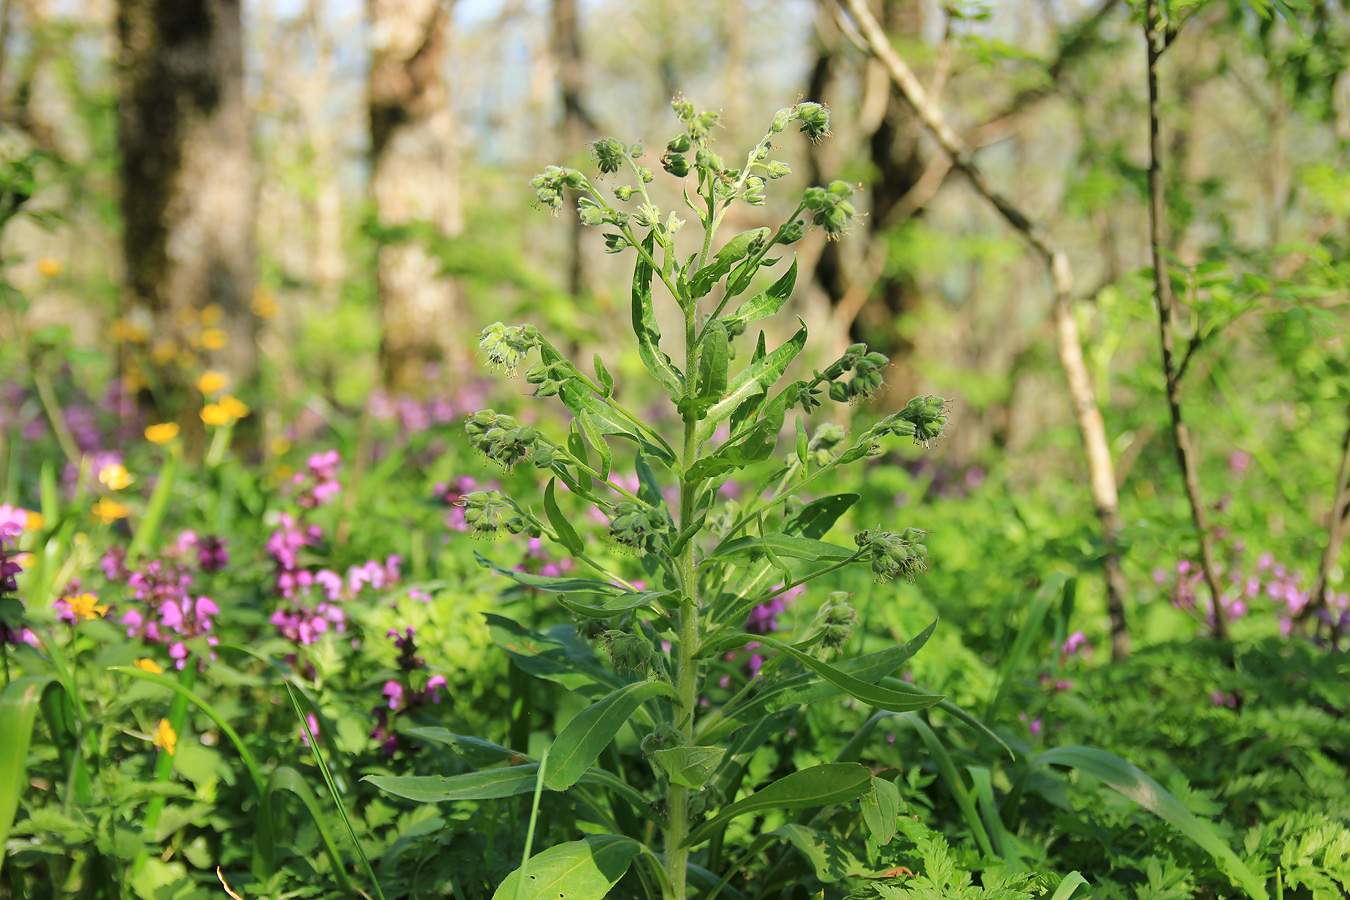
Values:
[(621, 603), (749, 548), (602, 375), (284, 778), (753, 380), (1031, 630), (829, 856), (19, 705), (587, 735), (816, 518), (649, 332), (547, 583), (712, 362), (806, 789), (490, 784), (596, 438), (478, 751), (1072, 882), (766, 303), (1139, 787), (885, 698), (567, 535), (802, 442), (880, 808), (731, 253), (576, 445), (690, 766), (952, 778), (559, 659), (578, 870)]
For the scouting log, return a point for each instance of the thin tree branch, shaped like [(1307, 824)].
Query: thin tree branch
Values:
[(1340, 506), (1162, 288), (1089, 417)]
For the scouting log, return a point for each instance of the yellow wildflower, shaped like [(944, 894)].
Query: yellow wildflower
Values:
[(108, 510), (164, 352), (161, 433), (166, 737), (85, 607), (149, 665), (49, 267), (233, 406), (25, 559), (264, 304), (34, 522), (211, 315), (215, 339), (281, 445), (115, 476), (212, 381), (215, 414)]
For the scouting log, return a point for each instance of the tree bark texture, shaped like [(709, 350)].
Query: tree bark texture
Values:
[(188, 193), (577, 125), (414, 182)]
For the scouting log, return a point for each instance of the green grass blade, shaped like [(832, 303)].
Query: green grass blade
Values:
[(1040, 605), (953, 780), (1072, 882), (984, 796), (19, 705), (1139, 787), (148, 528), (284, 778)]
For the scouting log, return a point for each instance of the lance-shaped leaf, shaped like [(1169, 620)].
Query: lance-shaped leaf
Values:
[(880, 808), (690, 766), (649, 332), (478, 751), (746, 549), (816, 518), (615, 605), (806, 789), (567, 535), (753, 380), (578, 870), (712, 361), (731, 253), (19, 706), (587, 735), (547, 583), (765, 303), (810, 688), (874, 695), (556, 658), (489, 784)]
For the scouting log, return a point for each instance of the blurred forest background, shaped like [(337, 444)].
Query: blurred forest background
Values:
[(327, 201)]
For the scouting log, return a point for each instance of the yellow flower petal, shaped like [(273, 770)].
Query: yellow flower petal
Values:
[(35, 521), (233, 406), (166, 738), (85, 607), (108, 510), (215, 339), (215, 414), (212, 381), (149, 665), (49, 267), (161, 433), (115, 476)]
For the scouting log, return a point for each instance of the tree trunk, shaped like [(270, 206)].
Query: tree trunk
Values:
[(577, 126), (187, 189), (414, 183)]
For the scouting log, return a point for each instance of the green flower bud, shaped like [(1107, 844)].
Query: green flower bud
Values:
[(706, 801), (681, 144), (706, 159), (590, 213), (647, 215), (623, 192), (675, 164), (778, 169), (635, 152), (683, 108), (833, 623), (839, 392), (674, 223), (780, 121), (615, 243), (609, 154), (922, 418), (644, 529), (628, 651), (506, 346), (550, 377), (664, 736), (894, 554), (646, 174), (486, 513), (791, 233), (815, 119)]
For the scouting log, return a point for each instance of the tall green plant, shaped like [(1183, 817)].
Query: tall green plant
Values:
[(708, 565)]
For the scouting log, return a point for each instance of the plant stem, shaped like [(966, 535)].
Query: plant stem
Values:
[(1162, 288), (1340, 499)]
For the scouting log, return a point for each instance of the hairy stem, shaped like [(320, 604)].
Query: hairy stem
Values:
[(1162, 288)]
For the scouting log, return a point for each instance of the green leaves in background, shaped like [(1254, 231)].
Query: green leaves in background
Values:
[(578, 870)]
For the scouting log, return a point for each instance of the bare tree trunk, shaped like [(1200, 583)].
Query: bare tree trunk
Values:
[(187, 184), (577, 125), (1101, 473), (329, 264), (1162, 287), (414, 181)]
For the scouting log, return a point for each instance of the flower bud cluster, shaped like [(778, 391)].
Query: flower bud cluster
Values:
[(663, 736), (643, 528), (502, 439), (866, 367), (824, 444), (627, 650), (833, 622), (507, 346), (922, 419), (488, 513), (706, 801), (893, 554), (833, 211), (548, 185)]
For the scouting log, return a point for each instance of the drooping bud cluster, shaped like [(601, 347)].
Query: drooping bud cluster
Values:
[(824, 444), (893, 554), (548, 185), (922, 419), (628, 651), (663, 736), (866, 367), (643, 528), (507, 346), (815, 119), (833, 622), (609, 155), (833, 211), (502, 439), (488, 513)]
